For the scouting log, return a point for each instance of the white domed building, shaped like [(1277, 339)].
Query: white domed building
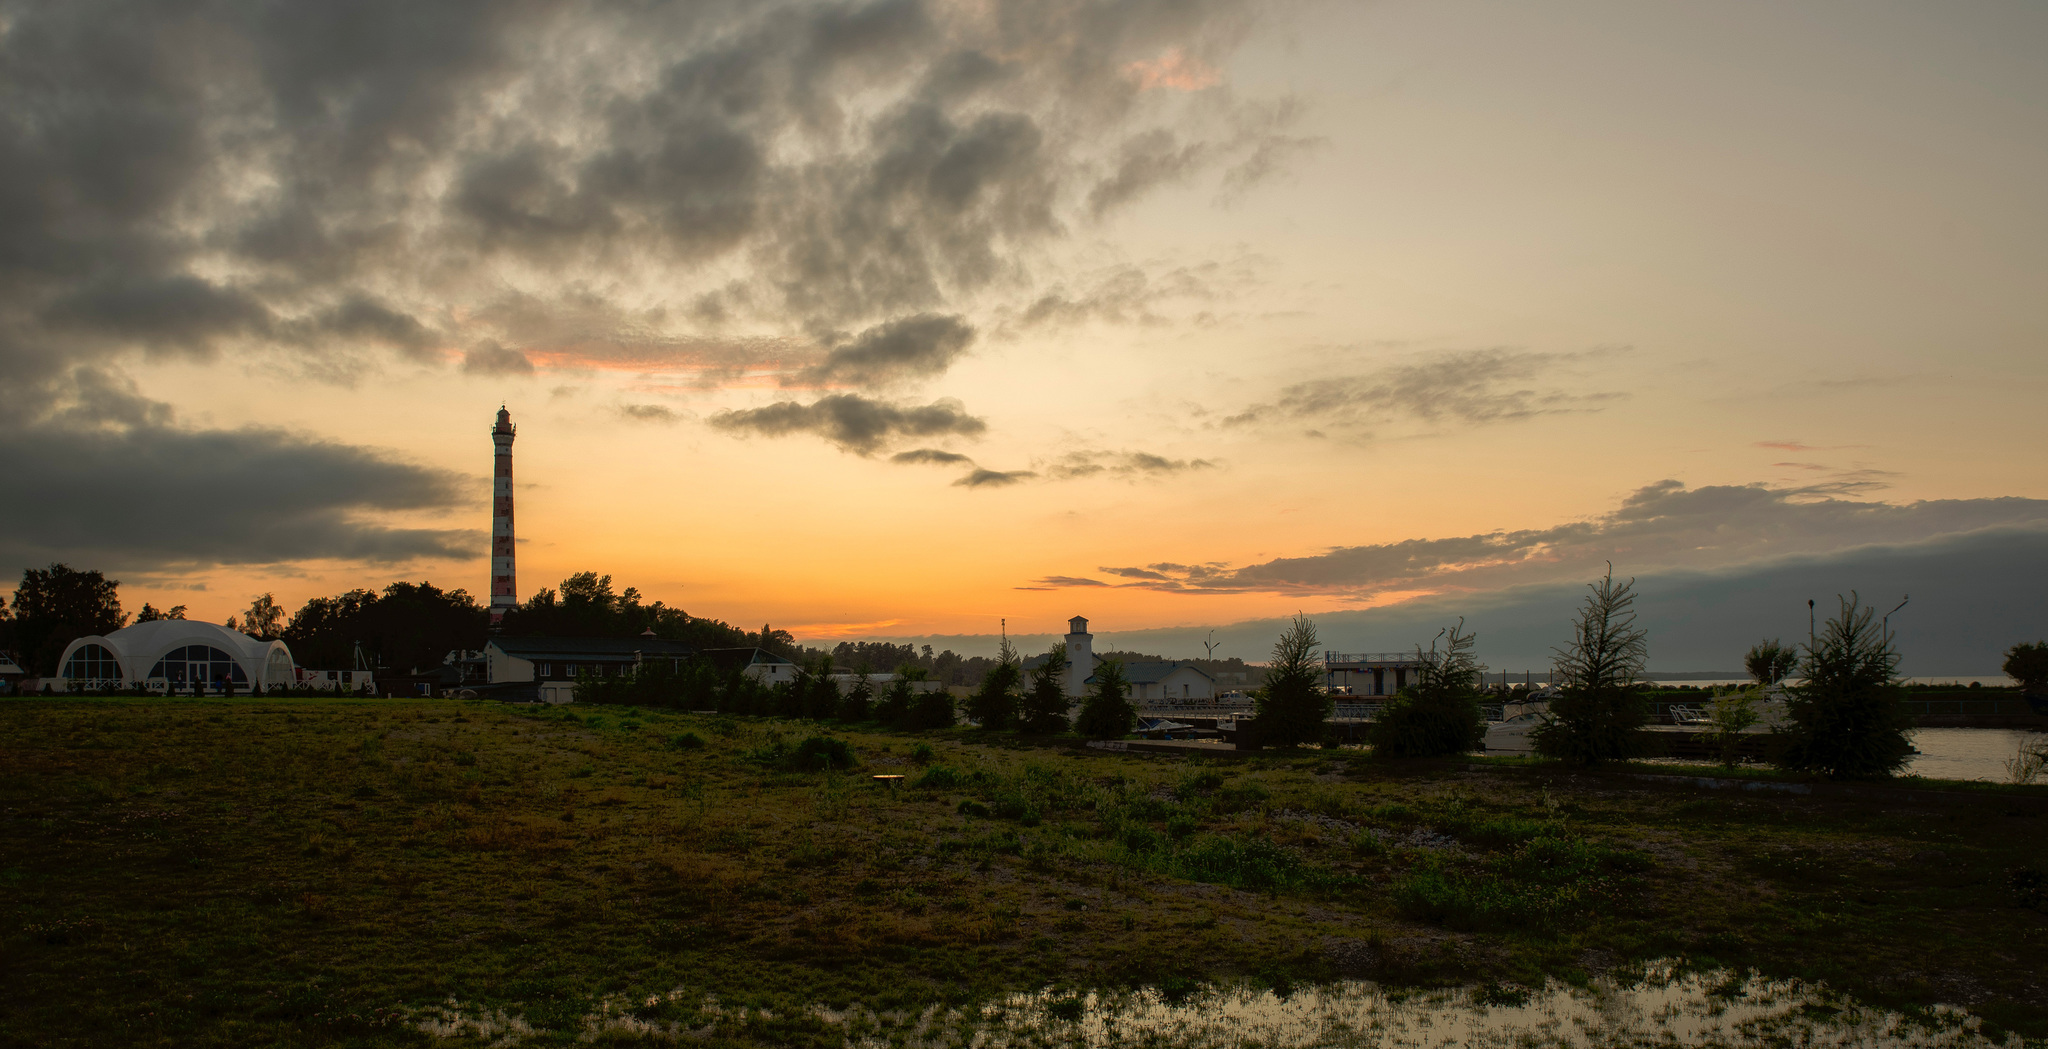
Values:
[(173, 654)]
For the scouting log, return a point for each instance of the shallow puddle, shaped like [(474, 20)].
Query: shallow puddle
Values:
[(1660, 1009)]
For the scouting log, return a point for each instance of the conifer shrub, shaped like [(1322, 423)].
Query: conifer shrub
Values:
[(930, 710), (1293, 707), (1439, 715), (994, 704), (1846, 720), (1598, 709), (1106, 713), (1045, 705)]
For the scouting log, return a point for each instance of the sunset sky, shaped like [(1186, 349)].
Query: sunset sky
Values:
[(901, 319)]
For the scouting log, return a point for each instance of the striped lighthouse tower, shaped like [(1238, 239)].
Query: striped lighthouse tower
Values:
[(504, 593)]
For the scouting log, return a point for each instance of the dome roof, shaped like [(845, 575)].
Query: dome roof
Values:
[(139, 648), (160, 635)]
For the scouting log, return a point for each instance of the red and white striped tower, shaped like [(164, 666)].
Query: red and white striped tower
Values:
[(503, 589)]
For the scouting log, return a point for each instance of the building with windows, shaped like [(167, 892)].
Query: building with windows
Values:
[(547, 667), (1370, 673), (1167, 684), (757, 663), (175, 655)]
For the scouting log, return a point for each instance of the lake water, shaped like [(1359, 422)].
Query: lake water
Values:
[(1657, 1008), (1989, 681), (1966, 753)]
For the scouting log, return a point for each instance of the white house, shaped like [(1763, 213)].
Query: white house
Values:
[(757, 663), (175, 655), (1155, 684)]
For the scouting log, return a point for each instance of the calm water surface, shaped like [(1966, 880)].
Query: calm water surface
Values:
[(1660, 1008), (1966, 753)]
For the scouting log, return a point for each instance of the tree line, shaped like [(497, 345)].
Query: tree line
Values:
[(1845, 719), (404, 626)]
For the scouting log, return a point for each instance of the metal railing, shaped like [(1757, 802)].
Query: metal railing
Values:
[(1334, 658)]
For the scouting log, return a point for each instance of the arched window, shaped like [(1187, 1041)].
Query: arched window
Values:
[(202, 663), (277, 670), (92, 663)]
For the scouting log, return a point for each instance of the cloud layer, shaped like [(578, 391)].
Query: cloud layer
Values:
[(1467, 387), (855, 423), (112, 482), (503, 187), (561, 176), (1974, 595), (1660, 526)]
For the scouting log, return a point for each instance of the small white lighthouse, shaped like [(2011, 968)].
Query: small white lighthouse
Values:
[(1080, 656), (504, 587)]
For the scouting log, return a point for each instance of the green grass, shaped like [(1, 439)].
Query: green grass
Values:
[(311, 872)]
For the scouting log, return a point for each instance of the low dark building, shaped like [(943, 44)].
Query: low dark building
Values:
[(548, 667)]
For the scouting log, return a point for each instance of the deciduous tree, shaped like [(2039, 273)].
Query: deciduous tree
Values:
[(2028, 665), (1768, 662), (264, 619), (56, 604)]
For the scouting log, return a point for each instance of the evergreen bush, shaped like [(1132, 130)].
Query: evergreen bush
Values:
[(994, 704), (1106, 713), (1293, 707), (1598, 710), (1045, 706), (1846, 720), (1439, 715)]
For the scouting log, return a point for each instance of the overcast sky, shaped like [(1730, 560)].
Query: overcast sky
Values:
[(907, 318)]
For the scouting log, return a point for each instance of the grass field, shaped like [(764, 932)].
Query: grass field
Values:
[(256, 872)]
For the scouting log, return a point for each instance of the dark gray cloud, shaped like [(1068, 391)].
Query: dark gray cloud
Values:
[(1150, 159), (1129, 465), (648, 413), (493, 359), (1974, 595), (329, 186), (914, 347), (1660, 526), (855, 423), (984, 478), (1466, 387), (1129, 294), (933, 456), (193, 178), (110, 481)]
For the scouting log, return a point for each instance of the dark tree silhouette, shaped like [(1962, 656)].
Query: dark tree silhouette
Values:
[(1045, 706), (1598, 709), (409, 625), (1846, 719), (1439, 715), (1106, 714), (1768, 662), (994, 704), (1293, 707), (2028, 665), (56, 604)]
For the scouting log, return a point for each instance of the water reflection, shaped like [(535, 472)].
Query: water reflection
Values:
[(1966, 753), (1662, 1008)]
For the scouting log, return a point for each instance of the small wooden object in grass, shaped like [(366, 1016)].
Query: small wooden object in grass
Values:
[(892, 782)]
